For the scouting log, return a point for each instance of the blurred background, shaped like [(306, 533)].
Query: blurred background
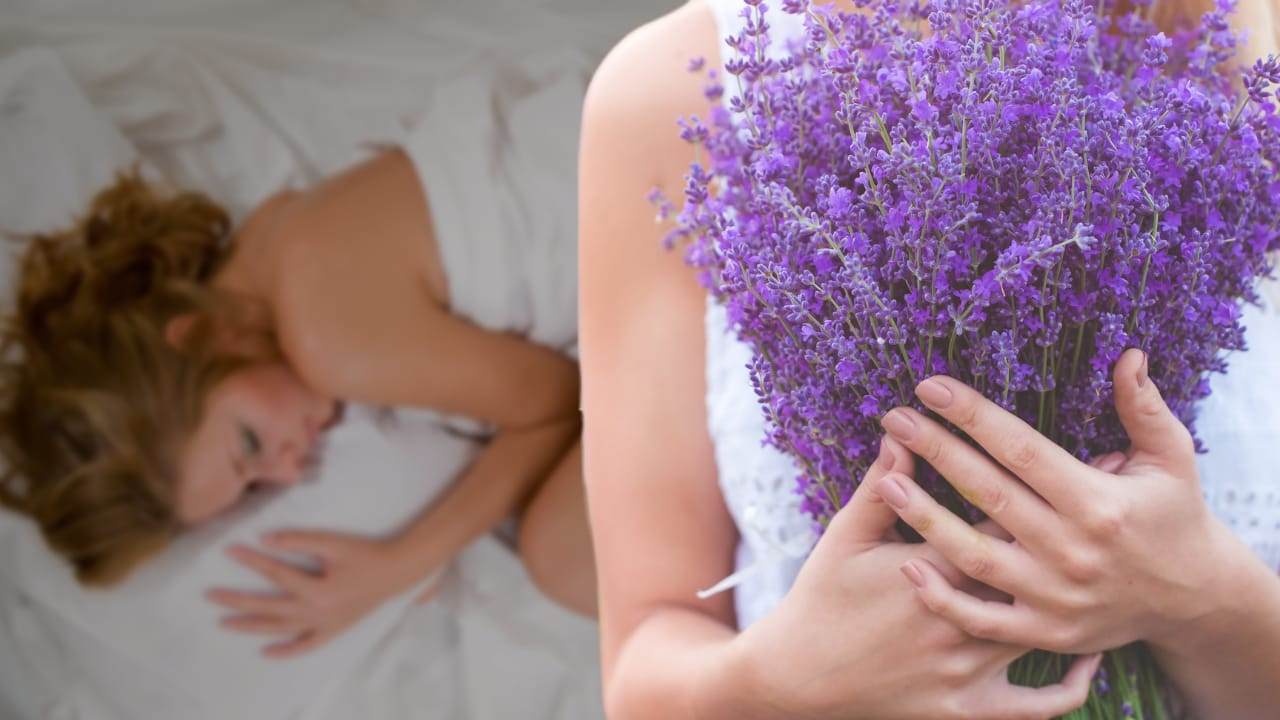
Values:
[(239, 99)]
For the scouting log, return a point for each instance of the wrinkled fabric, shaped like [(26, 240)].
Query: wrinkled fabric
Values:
[(238, 99)]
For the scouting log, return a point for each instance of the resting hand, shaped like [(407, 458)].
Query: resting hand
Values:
[(850, 641), (1101, 555), (307, 609)]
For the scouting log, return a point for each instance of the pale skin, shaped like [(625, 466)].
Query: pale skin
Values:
[(1099, 556), (352, 285), (832, 648)]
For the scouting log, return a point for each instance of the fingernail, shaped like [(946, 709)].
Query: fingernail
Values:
[(893, 492), (1111, 462), (934, 394), (900, 425), (913, 574), (886, 456), (1142, 371)]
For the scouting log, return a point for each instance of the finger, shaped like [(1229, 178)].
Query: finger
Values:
[(982, 482), (1152, 427), (993, 562), (990, 528), (324, 545), (1109, 463), (252, 602), (282, 574), (1061, 698), (1048, 469), (866, 520), (958, 580), (304, 643), (983, 619), (263, 625)]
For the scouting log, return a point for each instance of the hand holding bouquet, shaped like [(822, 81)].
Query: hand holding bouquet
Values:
[(1010, 194)]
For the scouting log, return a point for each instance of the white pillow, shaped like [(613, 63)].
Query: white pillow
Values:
[(151, 648)]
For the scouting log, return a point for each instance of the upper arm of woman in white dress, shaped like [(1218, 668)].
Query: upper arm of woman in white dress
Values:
[(660, 525)]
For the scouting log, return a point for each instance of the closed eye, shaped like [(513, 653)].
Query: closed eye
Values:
[(249, 442)]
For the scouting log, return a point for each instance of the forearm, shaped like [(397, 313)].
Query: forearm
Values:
[(683, 665), (1227, 664), (494, 486)]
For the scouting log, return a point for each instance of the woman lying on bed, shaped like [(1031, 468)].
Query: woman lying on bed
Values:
[(168, 365)]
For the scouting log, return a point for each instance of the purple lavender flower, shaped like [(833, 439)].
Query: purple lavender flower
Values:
[(1155, 53), (1013, 198)]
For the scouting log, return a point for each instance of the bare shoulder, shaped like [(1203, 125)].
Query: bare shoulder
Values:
[(643, 86), (630, 145), (358, 314)]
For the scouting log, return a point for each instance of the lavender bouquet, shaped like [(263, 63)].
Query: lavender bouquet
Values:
[(1010, 193)]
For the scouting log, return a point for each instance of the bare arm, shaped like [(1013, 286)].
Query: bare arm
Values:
[(1246, 628), (660, 527), (379, 336), (496, 484), (385, 341), (1244, 631)]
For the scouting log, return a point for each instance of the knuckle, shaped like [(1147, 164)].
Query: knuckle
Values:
[(1108, 522), (980, 627), (957, 667), (995, 499), (934, 451), (934, 602), (1063, 637), (1023, 455), (1072, 602), (1182, 440), (1151, 405), (968, 415), (978, 565), (959, 707), (1079, 567)]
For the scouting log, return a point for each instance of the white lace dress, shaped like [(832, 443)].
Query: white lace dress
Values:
[(1239, 423)]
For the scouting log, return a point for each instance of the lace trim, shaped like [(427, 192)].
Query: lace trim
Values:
[(776, 546)]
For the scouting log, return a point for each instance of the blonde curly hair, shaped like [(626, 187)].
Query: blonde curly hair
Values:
[(96, 401)]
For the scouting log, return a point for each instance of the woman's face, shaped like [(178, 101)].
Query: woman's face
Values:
[(259, 428)]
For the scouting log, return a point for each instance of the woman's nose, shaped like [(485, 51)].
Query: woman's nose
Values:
[(286, 469)]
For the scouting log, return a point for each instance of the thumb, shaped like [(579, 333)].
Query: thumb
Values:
[(867, 519), (1152, 427)]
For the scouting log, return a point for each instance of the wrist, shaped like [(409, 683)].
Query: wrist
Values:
[(1238, 592), (408, 561), (736, 684)]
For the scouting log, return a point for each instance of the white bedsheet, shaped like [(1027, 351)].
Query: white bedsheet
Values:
[(239, 98)]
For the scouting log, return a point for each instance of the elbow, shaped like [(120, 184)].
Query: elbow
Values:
[(614, 708), (624, 701), (551, 399), (618, 703)]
